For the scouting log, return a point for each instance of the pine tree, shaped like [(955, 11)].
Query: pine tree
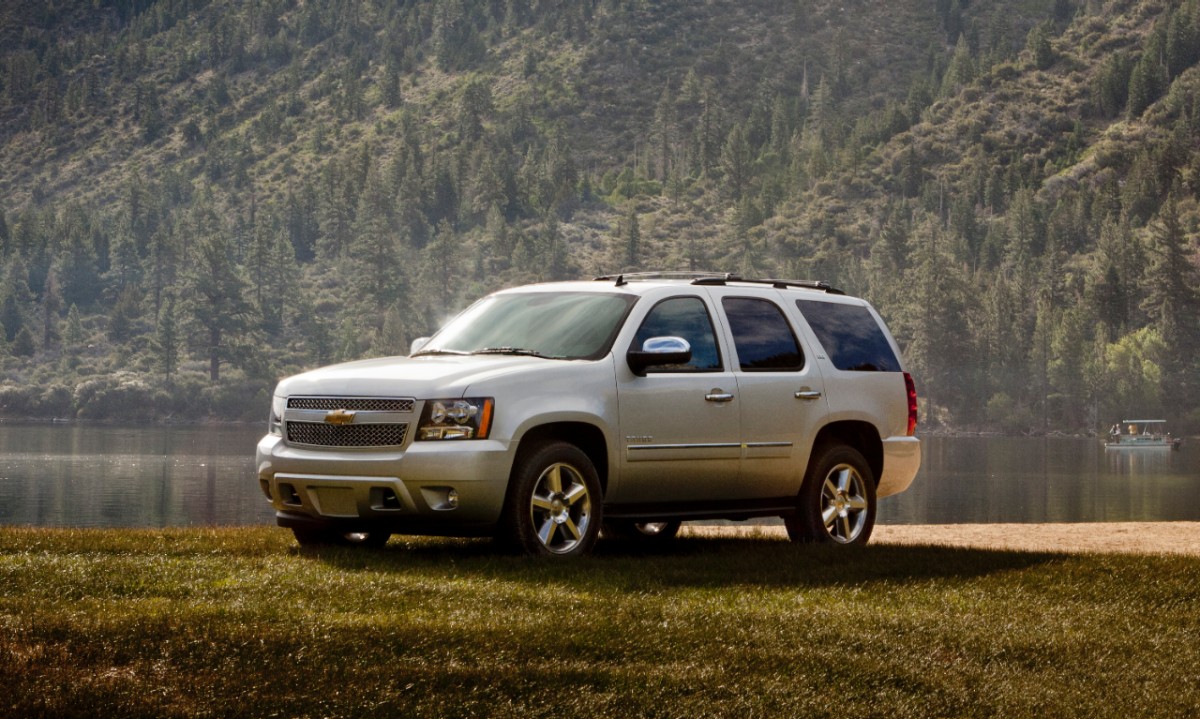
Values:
[(15, 298), (1173, 303), (78, 267), (735, 164), (1038, 44), (1183, 41), (553, 248), (167, 339), (1148, 80), (73, 334), (440, 262), (1110, 88), (22, 345), (934, 324), (1070, 349), (51, 306), (961, 70), (390, 339), (633, 241), (126, 311), (376, 249), (474, 106), (664, 132), (216, 307)]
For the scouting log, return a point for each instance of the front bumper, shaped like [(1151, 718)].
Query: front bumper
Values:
[(448, 488)]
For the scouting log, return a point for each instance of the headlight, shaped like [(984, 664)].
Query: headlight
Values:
[(460, 418), (275, 422)]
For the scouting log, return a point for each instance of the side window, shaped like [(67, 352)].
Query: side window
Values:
[(850, 335), (764, 339), (685, 317)]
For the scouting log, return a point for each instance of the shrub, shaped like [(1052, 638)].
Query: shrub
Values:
[(1004, 412), (246, 400), (120, 396), (57, 401), (17, 400)]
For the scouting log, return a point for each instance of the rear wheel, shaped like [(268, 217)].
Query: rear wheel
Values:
[(554, 505), (334, 538), (837, 499)]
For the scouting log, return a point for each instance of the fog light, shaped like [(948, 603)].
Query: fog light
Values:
[(289, 495), (452, 499)]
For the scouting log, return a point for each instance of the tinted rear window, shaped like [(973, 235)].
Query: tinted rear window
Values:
[(850, 335), (762, 336)]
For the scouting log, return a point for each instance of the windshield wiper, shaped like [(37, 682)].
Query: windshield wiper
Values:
[(521, 351), (440, 352)]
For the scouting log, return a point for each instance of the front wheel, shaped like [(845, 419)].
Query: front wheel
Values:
[(554, 505), (837, 500)]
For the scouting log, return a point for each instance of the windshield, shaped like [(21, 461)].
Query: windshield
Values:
[(568, 325)]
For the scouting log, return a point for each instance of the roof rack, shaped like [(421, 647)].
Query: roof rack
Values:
[(718, 278), (624, 277)]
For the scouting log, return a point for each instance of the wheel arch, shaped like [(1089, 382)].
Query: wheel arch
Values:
[(857, 434), (587, 437)]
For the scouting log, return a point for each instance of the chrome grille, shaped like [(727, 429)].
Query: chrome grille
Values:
[(348, 435), (359, 404)]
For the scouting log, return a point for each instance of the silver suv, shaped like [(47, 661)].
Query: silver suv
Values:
[(543, 414)]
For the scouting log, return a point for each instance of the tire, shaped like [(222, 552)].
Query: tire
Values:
[(652, 532), (554, 507), (312, 538), (837, 500)]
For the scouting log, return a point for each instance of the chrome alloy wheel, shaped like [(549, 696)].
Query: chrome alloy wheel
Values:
[(561, 508), (844, 504)]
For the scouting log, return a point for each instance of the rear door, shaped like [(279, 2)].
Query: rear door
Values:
[(781, 396)]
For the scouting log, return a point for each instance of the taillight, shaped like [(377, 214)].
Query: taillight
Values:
[(911, 388)]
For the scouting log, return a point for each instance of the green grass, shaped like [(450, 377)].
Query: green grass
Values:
[(199, 622)]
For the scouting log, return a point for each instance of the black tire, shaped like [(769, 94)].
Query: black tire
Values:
[(554, 507), (313, 538), (837, 500), (652, 532)]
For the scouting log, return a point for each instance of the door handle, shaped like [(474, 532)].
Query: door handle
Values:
[(718, 395), (809, 394)]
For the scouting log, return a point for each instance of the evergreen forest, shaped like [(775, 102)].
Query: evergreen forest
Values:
[(198, 197)]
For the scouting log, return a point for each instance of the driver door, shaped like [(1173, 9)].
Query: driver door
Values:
[(679, 424)]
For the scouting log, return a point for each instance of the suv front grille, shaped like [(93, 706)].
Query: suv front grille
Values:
[(358, 404), (320, 434)]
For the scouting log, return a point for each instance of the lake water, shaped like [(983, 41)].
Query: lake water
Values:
[(103, 476)]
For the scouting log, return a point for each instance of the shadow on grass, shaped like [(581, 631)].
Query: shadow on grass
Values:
[(690, 562)]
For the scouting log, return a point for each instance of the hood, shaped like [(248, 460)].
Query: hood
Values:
[(418, 377)]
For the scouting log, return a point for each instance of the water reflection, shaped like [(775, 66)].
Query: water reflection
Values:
[(89, 476), (101, 476), (1047, 480)]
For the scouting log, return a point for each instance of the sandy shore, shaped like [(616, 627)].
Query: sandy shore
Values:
[(1126, 537)]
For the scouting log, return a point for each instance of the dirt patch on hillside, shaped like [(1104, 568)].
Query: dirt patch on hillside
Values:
[(1124, 537)]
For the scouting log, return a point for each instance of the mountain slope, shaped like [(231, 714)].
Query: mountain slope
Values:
[(355, 171)]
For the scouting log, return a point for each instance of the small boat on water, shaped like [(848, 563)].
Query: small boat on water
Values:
[(1141, 434)]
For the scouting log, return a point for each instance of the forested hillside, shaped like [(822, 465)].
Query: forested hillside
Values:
[(199, 196)]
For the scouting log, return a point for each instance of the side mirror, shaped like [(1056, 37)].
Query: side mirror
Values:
[(657, 352), (417, 344)]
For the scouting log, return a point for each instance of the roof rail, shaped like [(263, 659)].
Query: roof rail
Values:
[(777, 284), (624, 277), (718, 278)]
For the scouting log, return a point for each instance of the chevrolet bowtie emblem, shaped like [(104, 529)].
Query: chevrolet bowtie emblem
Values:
[(339, 417)]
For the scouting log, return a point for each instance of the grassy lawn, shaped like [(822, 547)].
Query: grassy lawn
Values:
[(232, 622)]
